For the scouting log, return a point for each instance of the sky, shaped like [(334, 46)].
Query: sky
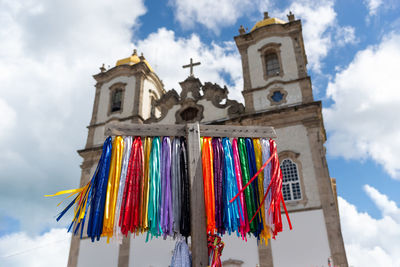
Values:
[(50, 49)]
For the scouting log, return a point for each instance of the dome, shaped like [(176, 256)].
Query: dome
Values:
[(132, 60), (267, 21)]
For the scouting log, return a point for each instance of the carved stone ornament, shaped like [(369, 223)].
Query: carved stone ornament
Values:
[(189, 112), (192, 92)]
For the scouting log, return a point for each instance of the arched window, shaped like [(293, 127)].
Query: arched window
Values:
[(116, 100), (291, 183), (271, 60), (272, 64)]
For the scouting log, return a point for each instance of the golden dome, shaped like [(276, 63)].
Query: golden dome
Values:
[(267, 21), (132, 60)]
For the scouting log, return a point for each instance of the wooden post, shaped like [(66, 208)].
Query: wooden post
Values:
[(193, 131), (197, 207)]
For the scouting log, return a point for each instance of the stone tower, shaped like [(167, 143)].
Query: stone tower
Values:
[(274, 64), (277, 92), (123, 93)]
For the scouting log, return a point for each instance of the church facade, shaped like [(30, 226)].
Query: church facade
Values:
[(277, 92)]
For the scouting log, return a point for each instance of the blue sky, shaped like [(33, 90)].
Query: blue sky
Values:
[(50, 49)]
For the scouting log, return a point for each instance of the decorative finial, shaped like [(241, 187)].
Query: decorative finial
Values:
[(102, 68), (141, 57), (290, 16), (266, 16), (191, 65), (242, 30), (134, 52)]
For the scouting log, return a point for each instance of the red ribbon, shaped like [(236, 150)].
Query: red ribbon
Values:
[(276, 191)]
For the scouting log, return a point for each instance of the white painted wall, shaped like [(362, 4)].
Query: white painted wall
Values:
[(99, 136), (146, 100), (306, 245), (237, 249), (294, 138), (288, 61), (262, 102), (98, 253), (158, 252), (105, 98), (170, 117), (211, 112)]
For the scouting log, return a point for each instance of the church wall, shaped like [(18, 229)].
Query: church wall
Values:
[(99, 253), (104, 103), (99, 137), (294, 138), (170, 117), (262, 102), (210, 112), (304, 246), (146, 99), (238, 249), (255, 64), (157, 252), (142, 253)]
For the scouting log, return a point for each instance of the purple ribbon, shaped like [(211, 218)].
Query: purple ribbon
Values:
[(218, 160), (166, 205)]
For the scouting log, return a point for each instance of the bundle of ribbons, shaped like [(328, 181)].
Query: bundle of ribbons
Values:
[(140, 184), (215, 248), (242, 187)]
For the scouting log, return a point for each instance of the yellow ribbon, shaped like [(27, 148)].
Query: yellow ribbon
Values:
[(145, 203), (112, 187), (265, 233)]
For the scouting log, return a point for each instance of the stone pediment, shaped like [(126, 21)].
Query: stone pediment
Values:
[(196, 102)]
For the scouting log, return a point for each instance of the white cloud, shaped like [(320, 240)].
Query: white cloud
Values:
[(219, 63), (370, 241), (7, 119), (320, 26), (48, 53), (385, 205), (345, 35), (363, 122), (49, 249), (373, 6), (212, 14)]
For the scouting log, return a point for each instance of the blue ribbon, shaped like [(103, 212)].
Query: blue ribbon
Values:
[(97, 192), (232, 220)]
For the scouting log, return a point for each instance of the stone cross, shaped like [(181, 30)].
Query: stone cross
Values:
[(191, 65)]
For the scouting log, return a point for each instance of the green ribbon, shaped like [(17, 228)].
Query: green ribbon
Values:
[(248, 192), (154, 190)]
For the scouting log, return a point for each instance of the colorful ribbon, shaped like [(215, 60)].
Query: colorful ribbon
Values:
[(140, 187)]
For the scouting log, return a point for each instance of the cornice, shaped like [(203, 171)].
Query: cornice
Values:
[(123, 70), (246, 39), (278, 81)]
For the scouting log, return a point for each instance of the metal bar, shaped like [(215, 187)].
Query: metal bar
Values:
[(197, 206), (180, 130)]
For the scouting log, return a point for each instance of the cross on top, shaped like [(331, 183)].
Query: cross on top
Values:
[(191, 65)]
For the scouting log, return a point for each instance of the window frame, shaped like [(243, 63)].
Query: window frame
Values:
[(290, 183), (271, 93), (113, 88), (270, 48), (294, 157)]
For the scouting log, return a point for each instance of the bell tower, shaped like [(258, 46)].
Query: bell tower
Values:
[(124, 93), (274, 64)]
